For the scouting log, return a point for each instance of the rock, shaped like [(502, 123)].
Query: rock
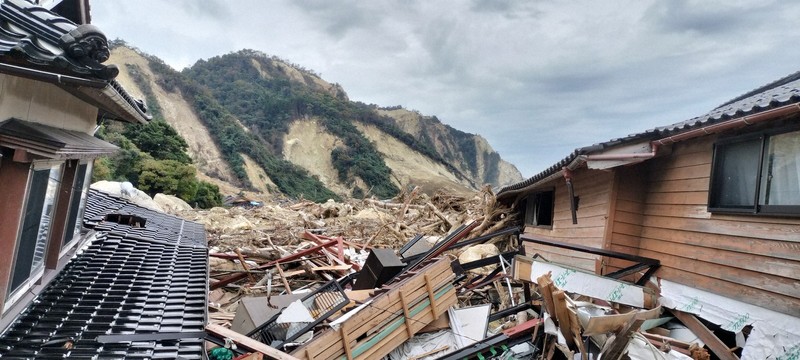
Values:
[(477, 252), (125, 190), (171, 204)]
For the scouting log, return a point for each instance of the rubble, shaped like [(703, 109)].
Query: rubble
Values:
[(416, 277)]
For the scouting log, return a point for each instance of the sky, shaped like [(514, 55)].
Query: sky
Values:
[(537, 79)]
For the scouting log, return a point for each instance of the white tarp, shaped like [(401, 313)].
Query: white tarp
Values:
[(774, 335), (592, 285)]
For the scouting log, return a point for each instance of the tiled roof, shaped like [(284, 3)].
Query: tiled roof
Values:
[(776, 94), (32, 37), (134, 293)]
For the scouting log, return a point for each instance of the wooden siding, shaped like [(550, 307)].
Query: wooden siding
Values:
[(626, 221), (754, 259), (593, 187)]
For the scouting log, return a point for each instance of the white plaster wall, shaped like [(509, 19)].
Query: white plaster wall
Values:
[(44, 103)]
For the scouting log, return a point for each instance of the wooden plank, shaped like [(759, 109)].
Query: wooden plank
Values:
[(406, 314), (762, 281), (248, 343), (617, 347), (712, 341), (562, 314), (397, 337), (431, 296), (726, 227), (781, 303), (383, 309), (686, 197), (771, 248), (331, 268), (681, 185), (346, 342), (763, 264), (685, 172)]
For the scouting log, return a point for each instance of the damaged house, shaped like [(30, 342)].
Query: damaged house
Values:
[(714, 200), (81, 273)]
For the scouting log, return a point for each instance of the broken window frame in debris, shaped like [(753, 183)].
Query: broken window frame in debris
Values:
[(754, 171), (539, 208)]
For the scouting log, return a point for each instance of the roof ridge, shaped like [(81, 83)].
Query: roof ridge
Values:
[(782, 81)]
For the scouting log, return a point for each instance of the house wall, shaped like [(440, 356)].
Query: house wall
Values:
[(593, 187), (44, 103), (625, 221), (755, 259)]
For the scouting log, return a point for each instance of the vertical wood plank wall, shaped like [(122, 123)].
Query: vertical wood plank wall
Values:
[(593, 187), (754, 259)]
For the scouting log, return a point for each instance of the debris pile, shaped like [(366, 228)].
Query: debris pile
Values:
[(414, 277)]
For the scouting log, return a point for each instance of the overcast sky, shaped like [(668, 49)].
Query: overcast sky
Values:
[(536, 78)]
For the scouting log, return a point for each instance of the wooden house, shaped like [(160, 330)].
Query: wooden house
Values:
[(715, 199), (54, 92)]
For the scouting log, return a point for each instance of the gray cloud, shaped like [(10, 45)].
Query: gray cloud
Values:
[(537, 79)]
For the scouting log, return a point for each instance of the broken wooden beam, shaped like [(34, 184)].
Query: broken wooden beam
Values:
[(248, 343), (703, 333)]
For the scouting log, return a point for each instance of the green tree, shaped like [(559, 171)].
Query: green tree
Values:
[(168, 177), (160, 140), (207, 195)]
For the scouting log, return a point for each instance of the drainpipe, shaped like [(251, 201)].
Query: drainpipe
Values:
[(572, 208)]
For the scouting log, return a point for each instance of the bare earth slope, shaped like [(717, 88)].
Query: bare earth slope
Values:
[(178, 113)]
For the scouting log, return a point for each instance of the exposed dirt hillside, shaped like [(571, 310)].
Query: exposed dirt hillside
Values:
[(471, 154), (178, 113), (410, 168)]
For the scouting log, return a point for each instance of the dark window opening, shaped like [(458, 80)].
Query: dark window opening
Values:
[(757, 174), (539, 208), (131, 220)]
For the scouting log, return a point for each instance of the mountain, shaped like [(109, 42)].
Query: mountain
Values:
[(262, 123)]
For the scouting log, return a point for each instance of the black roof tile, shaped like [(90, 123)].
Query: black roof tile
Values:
[(150, 280)]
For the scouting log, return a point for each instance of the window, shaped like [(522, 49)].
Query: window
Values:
[(539, 209), (757, 174), (77, 203), (32, 240)]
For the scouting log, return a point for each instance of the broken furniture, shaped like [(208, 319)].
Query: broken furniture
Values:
[(391, 317), (301, 316), (381, 266)]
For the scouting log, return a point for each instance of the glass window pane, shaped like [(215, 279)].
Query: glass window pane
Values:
[(76, 205), (36, 225), (780, 178), (736, 172)]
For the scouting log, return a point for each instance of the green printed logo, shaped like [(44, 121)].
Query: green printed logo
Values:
[(561, 279), (738, 323), (693, 307), (792, 354), (616, 294)]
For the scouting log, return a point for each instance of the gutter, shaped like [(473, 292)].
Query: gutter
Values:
[(50, 77), (740, 122)]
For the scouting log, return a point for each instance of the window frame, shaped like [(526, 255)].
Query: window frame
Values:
[(757, 209), (35, 272), (82, 194), (531, 208)]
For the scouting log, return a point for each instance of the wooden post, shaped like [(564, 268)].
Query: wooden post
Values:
[(406, 314), (431, 295), (346, 343), (283, 278)]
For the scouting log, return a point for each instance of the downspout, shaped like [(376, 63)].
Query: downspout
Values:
[(572, 208)]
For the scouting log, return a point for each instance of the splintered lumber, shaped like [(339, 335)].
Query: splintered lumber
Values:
[(546, 289), (562, 314), (248, 343), (389, 318), (617, 347), (583, 283), (703, 333)]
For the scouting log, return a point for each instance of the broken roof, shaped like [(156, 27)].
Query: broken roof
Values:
[(779, 93), (135, 292), (39, 44)]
